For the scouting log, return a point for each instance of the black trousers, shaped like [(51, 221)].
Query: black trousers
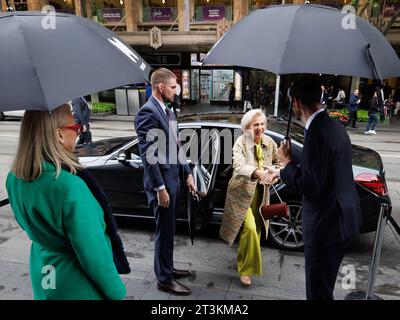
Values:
[(322, 266), (352, 118), (165, 219), (85, 137)]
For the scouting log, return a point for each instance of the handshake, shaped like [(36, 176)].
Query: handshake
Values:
[(268, 176)]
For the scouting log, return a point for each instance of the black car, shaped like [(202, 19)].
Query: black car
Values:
[(117, 165)]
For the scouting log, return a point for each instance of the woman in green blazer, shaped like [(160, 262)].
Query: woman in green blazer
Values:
[(71, 255)]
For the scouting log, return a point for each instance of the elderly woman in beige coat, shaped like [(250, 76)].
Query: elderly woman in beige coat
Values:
[(248, 190)]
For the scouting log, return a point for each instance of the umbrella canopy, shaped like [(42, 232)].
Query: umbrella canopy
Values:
[(292, 39), (42, 68)]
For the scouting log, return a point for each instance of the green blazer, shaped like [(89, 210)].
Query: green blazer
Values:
[(71, 255)]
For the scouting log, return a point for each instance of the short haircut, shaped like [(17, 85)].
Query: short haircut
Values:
[(249, 116), (307, 89), (161, 75)]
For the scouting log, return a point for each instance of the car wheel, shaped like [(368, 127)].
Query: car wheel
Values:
[(2, 116), (286, 233)]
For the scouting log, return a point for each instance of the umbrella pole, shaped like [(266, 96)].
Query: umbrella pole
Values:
[(377, 79)]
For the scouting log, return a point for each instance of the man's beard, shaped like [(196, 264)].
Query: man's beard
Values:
[(165, 99)]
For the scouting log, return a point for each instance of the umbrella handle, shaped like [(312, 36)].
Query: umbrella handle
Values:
[(287, 137)]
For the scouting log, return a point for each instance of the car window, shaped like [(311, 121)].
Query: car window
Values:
[(133, 152)]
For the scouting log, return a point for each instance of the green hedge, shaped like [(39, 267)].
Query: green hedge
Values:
[(362, 115), (102, 107)]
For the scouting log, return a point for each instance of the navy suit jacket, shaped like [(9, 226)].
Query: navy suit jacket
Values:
[(331, 206), (158, 147)]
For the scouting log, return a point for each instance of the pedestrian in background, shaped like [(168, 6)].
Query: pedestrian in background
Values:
[(232, 94), (81, 111), (148, 90), (340, 99), (71, 256), (248, 99), (324, 97), (373, 109), (354, 102), (248, 190)]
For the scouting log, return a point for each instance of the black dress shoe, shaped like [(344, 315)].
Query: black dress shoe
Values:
[(174, 288), (177, 274)]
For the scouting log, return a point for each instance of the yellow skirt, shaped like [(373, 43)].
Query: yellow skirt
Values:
[(249, 251)]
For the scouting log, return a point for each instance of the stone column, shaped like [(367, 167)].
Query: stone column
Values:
[(88, 9), (240, 9), (132, 12), (181, 14), (78, 8), (34, 5)]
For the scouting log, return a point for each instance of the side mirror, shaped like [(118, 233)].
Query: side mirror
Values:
[(121, 158)]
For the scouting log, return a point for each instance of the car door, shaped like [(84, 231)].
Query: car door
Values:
[(199, 206), (122, 181)]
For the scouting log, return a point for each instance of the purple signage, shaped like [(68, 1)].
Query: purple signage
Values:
[(112, 14), (213, 13), (161, 14)]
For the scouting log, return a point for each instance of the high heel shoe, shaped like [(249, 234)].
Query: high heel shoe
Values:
[(245, 280)]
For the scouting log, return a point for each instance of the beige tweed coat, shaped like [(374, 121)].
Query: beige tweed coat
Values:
[(242, 186)]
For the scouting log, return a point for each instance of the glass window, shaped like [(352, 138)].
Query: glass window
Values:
[(63, 6), (260, 4), (213, 10), (195, 84), (20, 5), (221, 84), (159, 10)]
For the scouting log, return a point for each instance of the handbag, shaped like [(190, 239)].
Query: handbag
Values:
[(280, 210)]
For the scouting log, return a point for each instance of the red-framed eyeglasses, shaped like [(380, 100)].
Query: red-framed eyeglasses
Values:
[(77, 128)]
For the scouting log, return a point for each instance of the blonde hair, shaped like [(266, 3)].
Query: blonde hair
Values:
[(161, 75), (249, 116), (38, 143)]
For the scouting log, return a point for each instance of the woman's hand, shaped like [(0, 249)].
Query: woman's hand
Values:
[(263, 177), (273, 174)]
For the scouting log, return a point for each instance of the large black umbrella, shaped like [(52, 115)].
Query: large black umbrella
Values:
[(46, 60), (293, 39)]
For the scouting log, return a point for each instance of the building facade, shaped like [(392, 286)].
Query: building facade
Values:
[(178, 33)]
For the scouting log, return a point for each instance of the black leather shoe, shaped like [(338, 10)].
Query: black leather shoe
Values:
[(174, 288), (177, 274)]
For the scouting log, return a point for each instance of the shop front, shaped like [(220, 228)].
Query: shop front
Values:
[(212, 10), (159, 10), (198, 84)]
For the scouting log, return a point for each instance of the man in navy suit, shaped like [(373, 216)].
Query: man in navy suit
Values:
[(331, 214), (163, 160)]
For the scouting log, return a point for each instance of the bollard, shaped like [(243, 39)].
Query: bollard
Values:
[(376, 254)]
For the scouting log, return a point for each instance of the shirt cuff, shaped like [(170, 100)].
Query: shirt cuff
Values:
[(159, 188)]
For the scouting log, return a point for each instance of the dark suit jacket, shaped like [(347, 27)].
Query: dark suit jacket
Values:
[(81, 111), (331, 207), (152, 124)]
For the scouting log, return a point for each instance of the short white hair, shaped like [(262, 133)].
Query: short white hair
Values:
[(249, 116)]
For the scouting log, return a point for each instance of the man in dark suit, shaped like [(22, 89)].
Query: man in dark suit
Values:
[(81, 111), (163, 160), (331, 214)]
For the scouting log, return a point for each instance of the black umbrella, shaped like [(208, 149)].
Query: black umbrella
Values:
[(293, 39), (47, 60)]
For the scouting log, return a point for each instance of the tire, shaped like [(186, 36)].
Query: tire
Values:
[(2, 116), (286, 234)]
